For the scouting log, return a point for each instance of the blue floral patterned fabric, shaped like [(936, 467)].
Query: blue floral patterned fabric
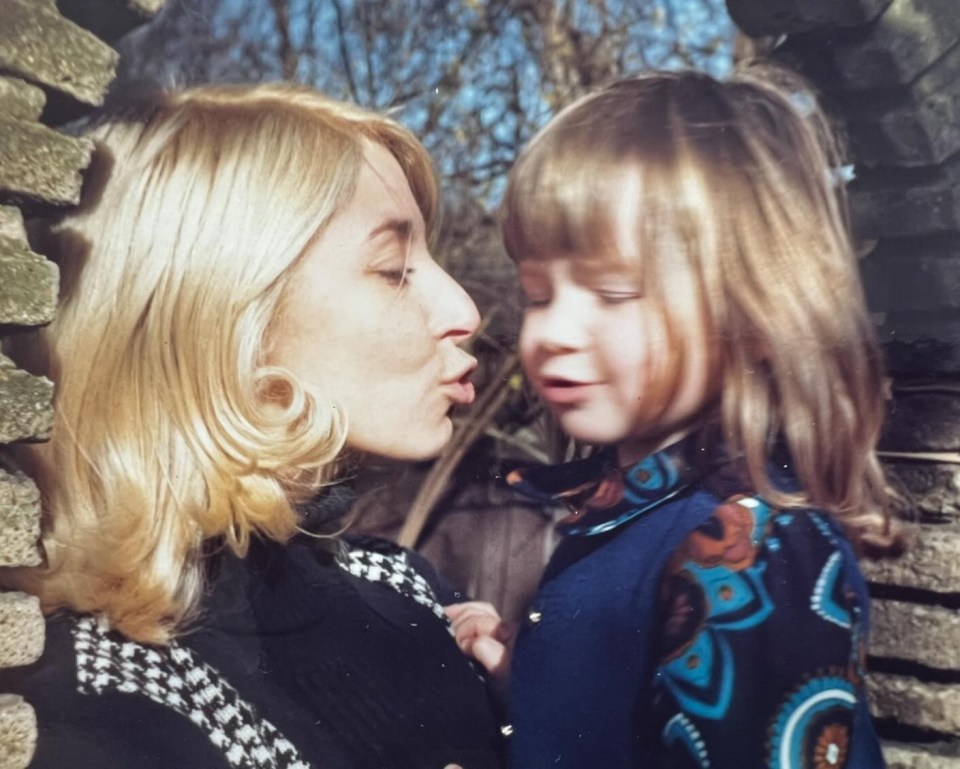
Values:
[(684, 622)]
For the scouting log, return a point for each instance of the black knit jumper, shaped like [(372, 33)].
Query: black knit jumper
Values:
[(302, 657)]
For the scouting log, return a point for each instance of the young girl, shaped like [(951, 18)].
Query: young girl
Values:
[(694, 305)]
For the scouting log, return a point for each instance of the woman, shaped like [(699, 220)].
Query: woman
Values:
[(248, 294)]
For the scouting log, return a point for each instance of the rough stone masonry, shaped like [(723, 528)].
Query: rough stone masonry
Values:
[(47, 54)]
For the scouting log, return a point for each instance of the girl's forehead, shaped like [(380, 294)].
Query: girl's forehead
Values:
[(596, 216), (579, 265)]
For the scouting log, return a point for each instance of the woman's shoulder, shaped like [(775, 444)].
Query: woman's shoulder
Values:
[(92, 698), (104, 700)]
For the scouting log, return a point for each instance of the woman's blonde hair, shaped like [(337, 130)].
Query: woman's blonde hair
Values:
[(172, 434), (738, 188)]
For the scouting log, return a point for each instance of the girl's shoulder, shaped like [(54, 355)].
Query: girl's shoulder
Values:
[(748, 564), (741, 530)]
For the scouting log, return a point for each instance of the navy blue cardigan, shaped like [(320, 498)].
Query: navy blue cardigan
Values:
[(684, 623)]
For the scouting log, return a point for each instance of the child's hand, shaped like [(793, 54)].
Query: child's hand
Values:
[(481, 634)]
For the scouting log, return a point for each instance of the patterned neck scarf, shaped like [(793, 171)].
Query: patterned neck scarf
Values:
[(603, 496)]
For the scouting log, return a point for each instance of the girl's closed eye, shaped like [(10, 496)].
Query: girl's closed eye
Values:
[(611, 285), (535, 288), (618, 296), (615, 289), (533, 300)]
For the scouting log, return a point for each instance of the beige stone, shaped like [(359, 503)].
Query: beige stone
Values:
[(935, 756), (28, 285), (148, 7), (18, 732), (11, 224), (917, 703), (109, 20), (20, 100), (39, 164), (931, 563), (22, 629), (933, 488), (26, 404), (38, 44), (929, 635), (19, 520)]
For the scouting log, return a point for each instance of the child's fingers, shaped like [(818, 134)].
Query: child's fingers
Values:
[(474, 622), (455, 610), (493, 655), (476, 616), (476, 619)]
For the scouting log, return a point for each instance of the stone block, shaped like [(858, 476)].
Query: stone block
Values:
[(146, 7), (918, 125), (20, 100), (22, 629), (919, 344), (909, 37), (941, 755), (913, 275), (11, 224), (777, 17), (916, 703), (19, 520), (933, 488), (26, 404), (41, 46), (915, 633), (18, 732), (28, 285), (931, 563), (923, 421), (109, 19), (909, 203), (38, 164)]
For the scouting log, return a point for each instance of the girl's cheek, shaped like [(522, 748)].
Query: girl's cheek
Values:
[(526, 345)]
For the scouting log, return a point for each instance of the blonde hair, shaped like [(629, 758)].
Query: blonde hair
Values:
[(736, 189), (172, 434)]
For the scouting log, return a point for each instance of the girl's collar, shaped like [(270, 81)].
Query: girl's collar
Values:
[(602, 496)]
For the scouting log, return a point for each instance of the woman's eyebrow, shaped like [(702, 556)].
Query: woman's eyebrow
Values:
[(402, 229)]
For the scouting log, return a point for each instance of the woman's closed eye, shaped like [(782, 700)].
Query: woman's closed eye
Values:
[(395, 276), (392, 242)]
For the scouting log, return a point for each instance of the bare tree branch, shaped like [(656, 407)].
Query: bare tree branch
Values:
[(288, 53)]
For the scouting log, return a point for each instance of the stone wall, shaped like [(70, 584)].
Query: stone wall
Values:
[(889, 72), (52, 67)]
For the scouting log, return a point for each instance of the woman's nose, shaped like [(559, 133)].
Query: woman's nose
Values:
[(454, 313)]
